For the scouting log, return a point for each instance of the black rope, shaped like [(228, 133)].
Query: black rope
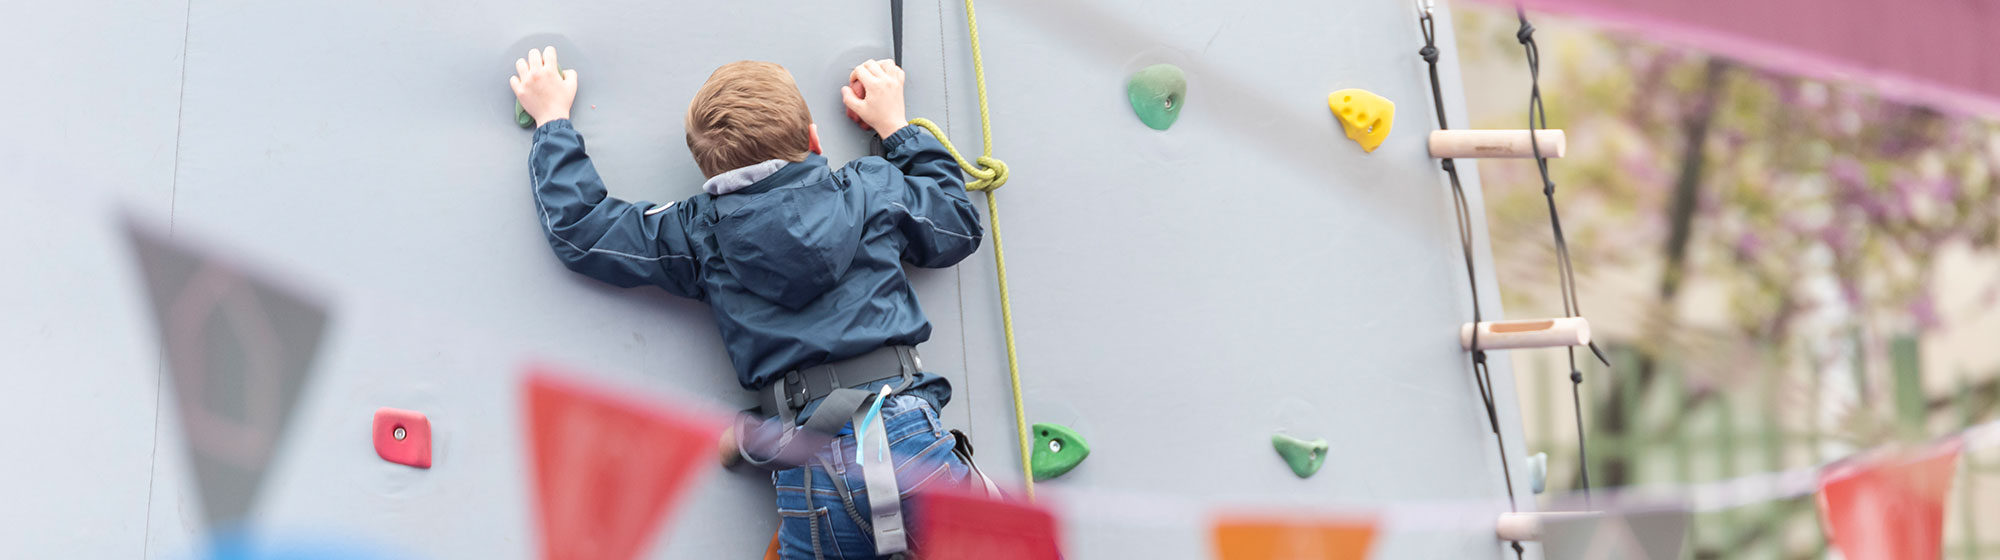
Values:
[(1538, 118), (1482, 376)]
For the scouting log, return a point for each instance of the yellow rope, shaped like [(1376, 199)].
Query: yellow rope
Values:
[(989, 174)]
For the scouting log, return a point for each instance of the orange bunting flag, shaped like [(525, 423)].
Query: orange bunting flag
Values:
[(1272, 538), (1888, 508), (607, 467)]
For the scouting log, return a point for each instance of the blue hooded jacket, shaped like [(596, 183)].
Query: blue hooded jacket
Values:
[(800, 268)]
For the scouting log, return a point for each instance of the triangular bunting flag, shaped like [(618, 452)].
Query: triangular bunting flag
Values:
[(238, 351), (1628, 535), (1273, 538), (1888, 508), (608, 468), (290, 545), (954, 526)]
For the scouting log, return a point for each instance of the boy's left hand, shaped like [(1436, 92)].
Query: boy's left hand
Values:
[(545, 92)]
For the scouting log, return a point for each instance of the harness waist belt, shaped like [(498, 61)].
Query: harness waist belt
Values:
[(791, 394)]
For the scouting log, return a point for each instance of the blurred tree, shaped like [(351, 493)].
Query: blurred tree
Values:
[(1804, 218)]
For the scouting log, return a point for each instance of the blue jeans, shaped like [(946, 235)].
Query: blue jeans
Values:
[(815, 521)]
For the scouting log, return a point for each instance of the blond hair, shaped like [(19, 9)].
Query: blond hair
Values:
[(746, 113)]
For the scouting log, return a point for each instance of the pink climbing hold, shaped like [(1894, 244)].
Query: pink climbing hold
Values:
[(403, 437)]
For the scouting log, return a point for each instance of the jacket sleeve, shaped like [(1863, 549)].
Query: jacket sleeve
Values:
[(612, 240), (933, 215)]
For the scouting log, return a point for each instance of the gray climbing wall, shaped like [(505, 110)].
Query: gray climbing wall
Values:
[(1179, 296)]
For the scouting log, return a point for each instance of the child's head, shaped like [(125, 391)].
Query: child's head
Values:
[(748, 112)]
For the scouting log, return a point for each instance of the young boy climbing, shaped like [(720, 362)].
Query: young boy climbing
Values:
[(802, 268)]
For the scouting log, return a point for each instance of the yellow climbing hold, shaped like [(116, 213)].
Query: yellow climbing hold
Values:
[(1366, 116)]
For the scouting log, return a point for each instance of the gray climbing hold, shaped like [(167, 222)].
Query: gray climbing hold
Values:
[(1538, 472)]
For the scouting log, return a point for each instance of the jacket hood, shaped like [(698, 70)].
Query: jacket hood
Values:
[(735, 179), (790, 236)]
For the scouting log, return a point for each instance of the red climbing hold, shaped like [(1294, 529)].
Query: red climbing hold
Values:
[(966, 527), (1891, 508), (607, 467), (403, 437), (859, 93)]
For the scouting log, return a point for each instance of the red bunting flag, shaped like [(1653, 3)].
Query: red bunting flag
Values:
[(1291, 538), (1889, 508), (955, 526), (608, 468)]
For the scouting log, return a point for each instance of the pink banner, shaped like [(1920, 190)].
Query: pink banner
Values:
[(1935, 52)]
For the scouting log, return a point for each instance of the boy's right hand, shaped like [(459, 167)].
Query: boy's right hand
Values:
[(879, 101), (545, 92)]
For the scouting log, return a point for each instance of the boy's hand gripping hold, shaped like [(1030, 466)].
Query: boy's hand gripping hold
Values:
[(546, 93), (874, 97)]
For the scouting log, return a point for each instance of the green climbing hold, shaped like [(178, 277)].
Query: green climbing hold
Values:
[(521, 116), (1057, 450), (1157, 92), (1305, 457)]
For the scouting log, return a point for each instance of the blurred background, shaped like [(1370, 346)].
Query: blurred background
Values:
[(1783, 271)]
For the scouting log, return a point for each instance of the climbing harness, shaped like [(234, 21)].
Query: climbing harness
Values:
[(988, 174), (1538, 118), (828, 397), (1482, 376)]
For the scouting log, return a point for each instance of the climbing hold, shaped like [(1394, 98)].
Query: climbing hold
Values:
[(1057, 450), (1538, 472), (1157, 93), (1366, 116), (521, 116), (860, 93), (1305, 457), (403, 437)]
